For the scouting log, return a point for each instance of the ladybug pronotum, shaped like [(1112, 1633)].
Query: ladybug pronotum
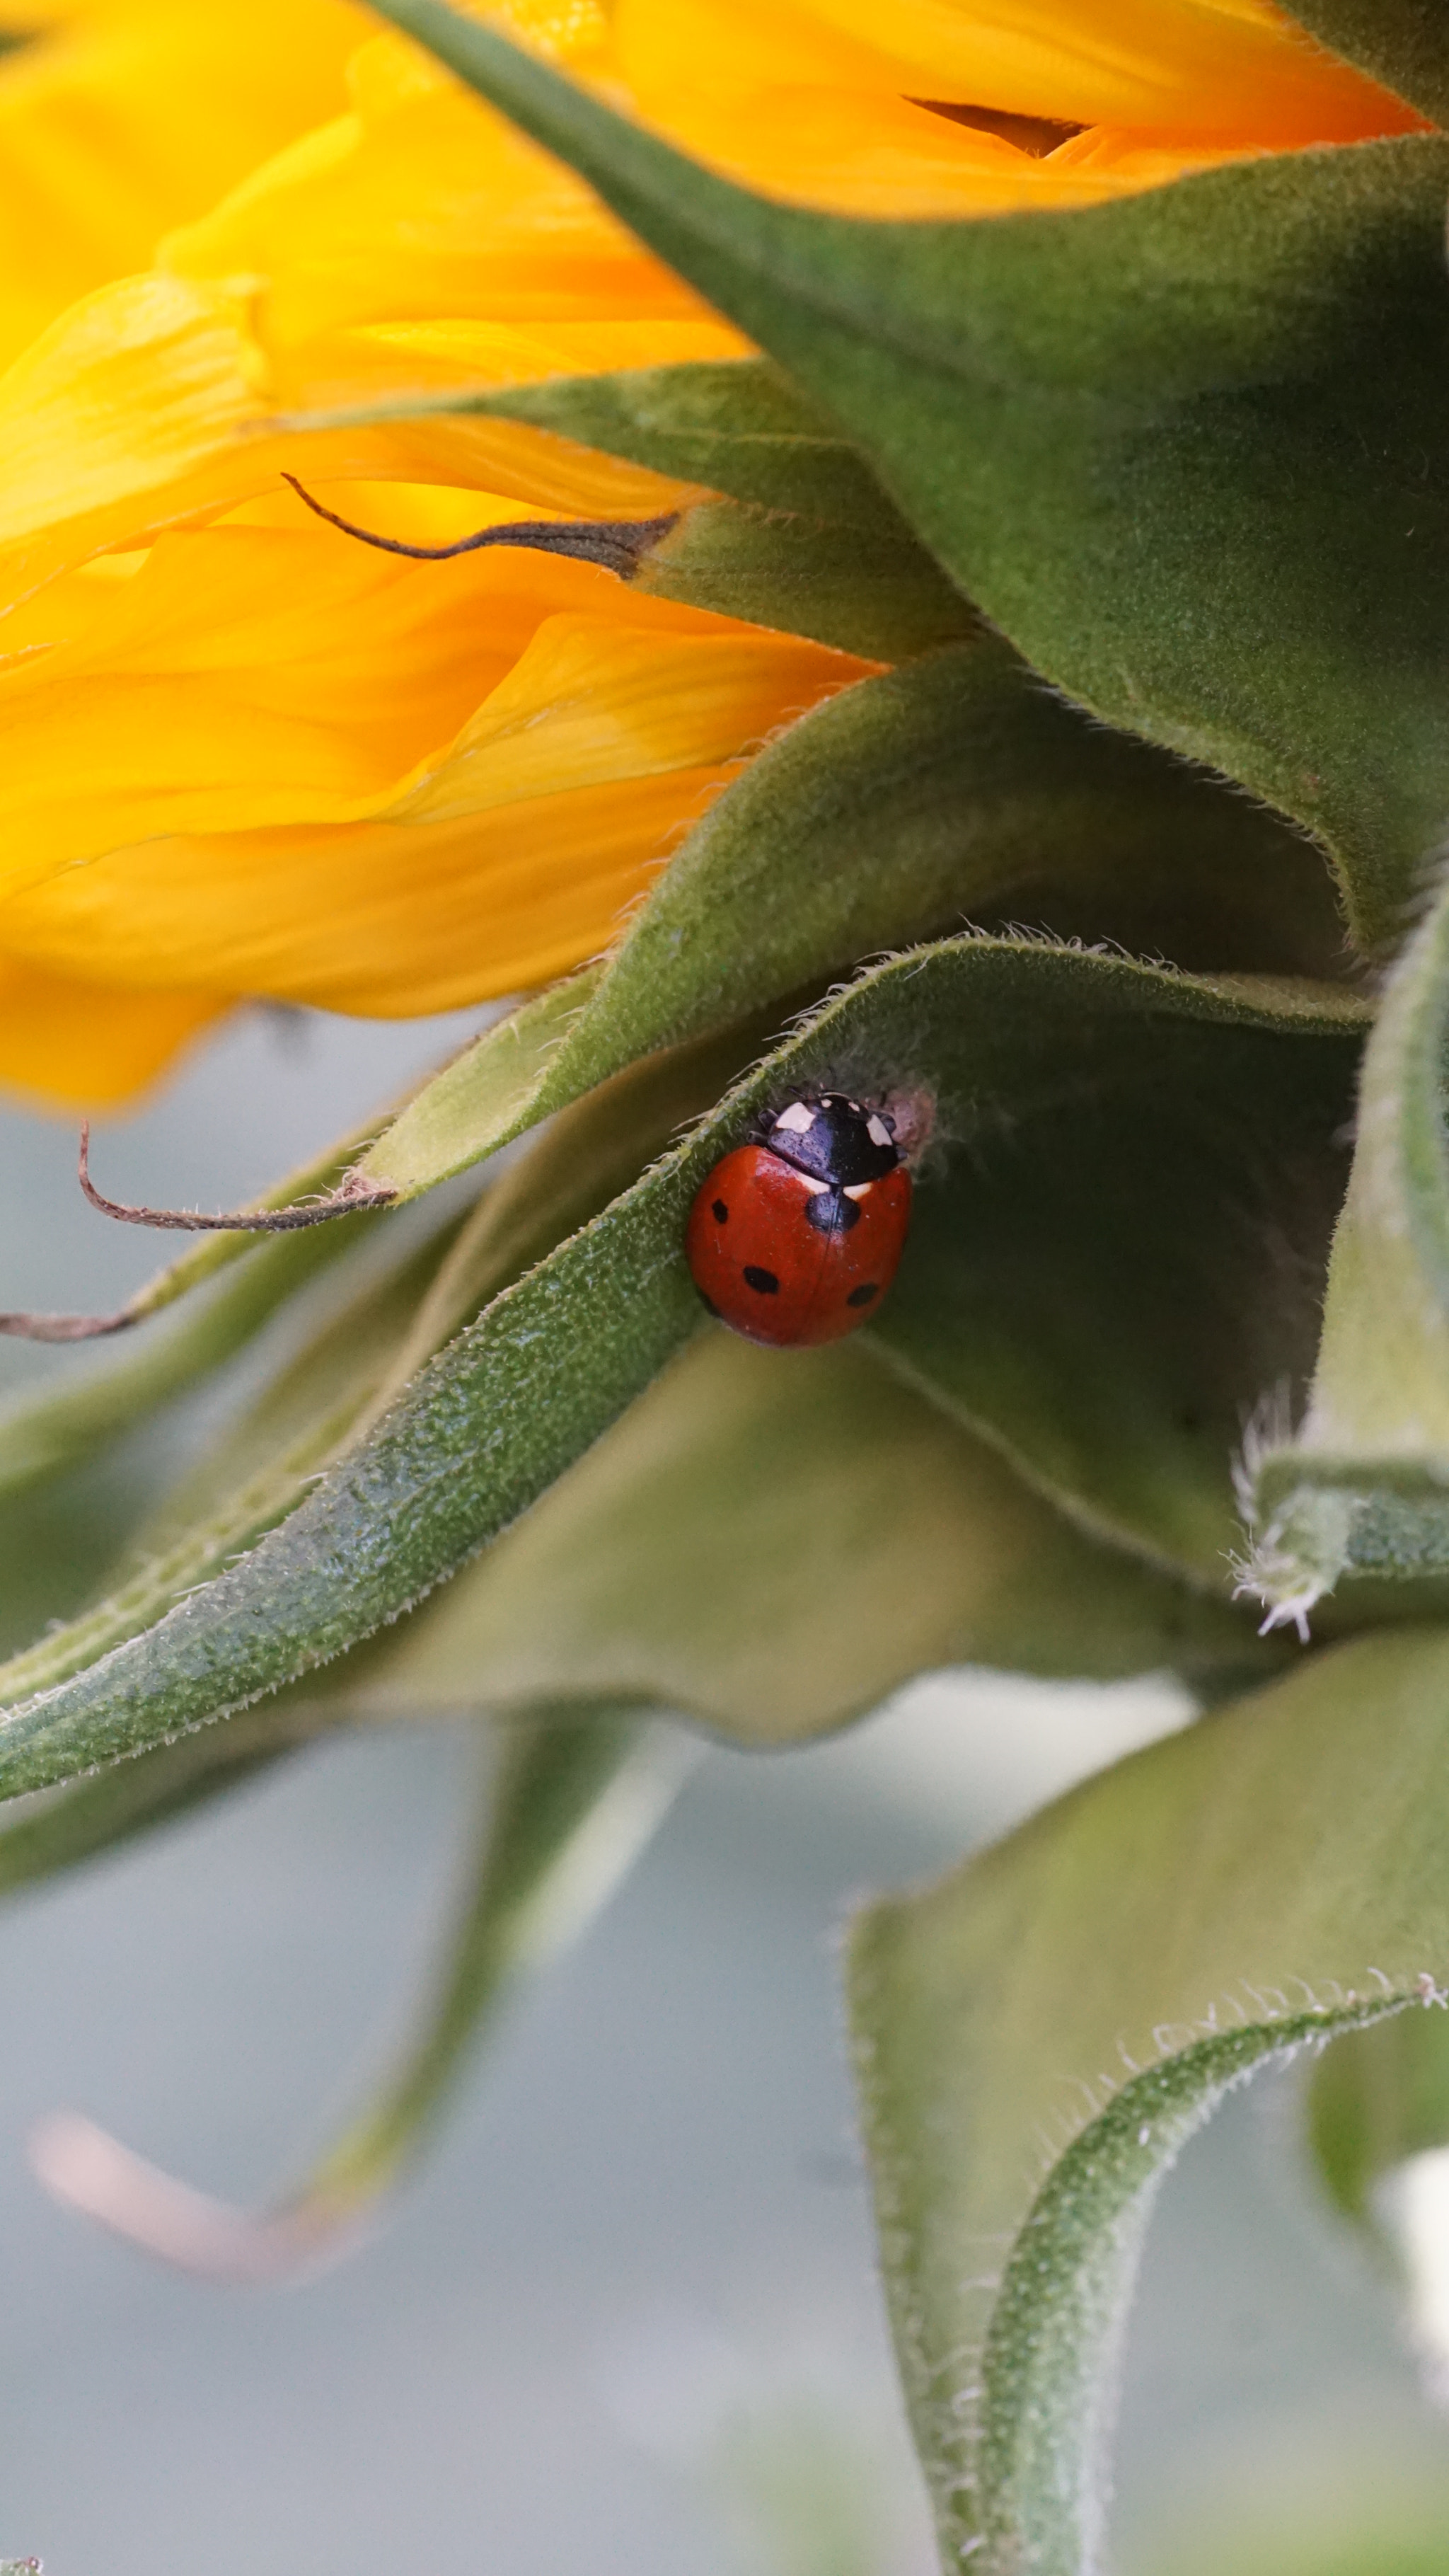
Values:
[(795, 1238)]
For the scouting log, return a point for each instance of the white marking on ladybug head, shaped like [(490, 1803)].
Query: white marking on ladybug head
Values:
[(878, 1132), (798, 1118), (860, 1190), (817, 1189)]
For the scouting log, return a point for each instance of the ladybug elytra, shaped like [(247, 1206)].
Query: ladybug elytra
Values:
[(796, 1238)]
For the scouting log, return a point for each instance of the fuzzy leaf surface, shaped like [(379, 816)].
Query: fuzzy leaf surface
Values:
[(1354, 1511), (771, 1549), (1232, 391), (247, 1480), (1120, 1268), (876, 592), (1040, 2033), (492, 1422), (1403, 43)]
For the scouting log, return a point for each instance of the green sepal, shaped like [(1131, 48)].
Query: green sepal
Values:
[(873, 592), (806, 539), (1039, 2034), (1232, 391), (494, 1420), (738, 426), (1403, 43)]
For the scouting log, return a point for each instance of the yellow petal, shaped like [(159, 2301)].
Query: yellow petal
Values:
[(276, 762), (141, 410), (252, 676), (374, 918), (124, 120), (1221, 72), (130, 388), (422, 206), (67, 1042), (429, 208)]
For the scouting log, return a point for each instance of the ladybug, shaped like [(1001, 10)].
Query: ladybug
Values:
[(796, 1237)]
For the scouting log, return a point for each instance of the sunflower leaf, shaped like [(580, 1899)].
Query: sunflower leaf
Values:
[(1233, 390), (1117, 1276), (815, 1494), (876, 593), (1357, 1505), (1040, 2033), (247, 1481), (496, 1418)]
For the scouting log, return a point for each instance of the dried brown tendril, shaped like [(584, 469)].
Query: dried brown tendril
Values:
[(617, 544), (351, 1199)]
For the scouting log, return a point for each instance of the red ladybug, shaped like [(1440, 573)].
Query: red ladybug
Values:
[(796, 1238)]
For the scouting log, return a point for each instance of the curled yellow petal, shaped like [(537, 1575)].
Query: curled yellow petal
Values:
[(421, 207), (270, 761), (122, 394), (1230, 73), (74, 1042), (123, 119)]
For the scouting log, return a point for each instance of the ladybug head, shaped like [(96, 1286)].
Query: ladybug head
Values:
[(834, 1139)]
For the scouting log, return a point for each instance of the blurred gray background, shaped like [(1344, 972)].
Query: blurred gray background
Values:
[(628, 2318)]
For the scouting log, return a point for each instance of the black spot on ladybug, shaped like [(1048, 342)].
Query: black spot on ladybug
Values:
[(831, 1212), (862, 1295), (763, 1282), (720, 1212)]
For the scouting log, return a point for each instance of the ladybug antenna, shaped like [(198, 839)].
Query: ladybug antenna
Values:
[(617, 544)]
